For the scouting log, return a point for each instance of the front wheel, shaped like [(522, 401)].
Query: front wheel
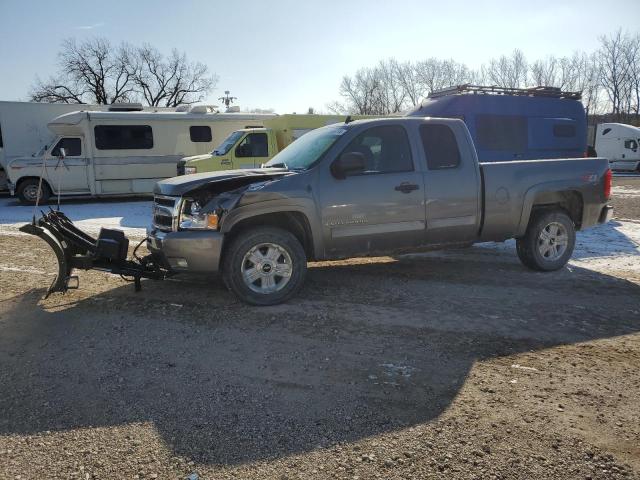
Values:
[(264, 266), (548, 242), (28, 191)]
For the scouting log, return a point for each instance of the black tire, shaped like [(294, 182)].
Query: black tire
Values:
[(234, 261), (28, 189), (530, 247)]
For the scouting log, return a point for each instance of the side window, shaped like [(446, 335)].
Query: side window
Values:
[(200, 133), (631, 145), (386, 149), (1, 144), (502, 132), (253, 145), (123, 137), (440, 146), (72, 147), (561, 130)]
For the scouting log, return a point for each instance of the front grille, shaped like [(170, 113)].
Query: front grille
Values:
[(180, 167), (165, 212)]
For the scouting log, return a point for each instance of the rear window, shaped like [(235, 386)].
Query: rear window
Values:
[(200, 133), (502, 132), (564, 130), (123, 137), (440, 146)]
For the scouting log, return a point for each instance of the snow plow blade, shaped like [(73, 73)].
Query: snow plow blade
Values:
[(75, 249)]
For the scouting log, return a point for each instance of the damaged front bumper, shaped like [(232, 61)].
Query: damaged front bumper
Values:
[(186, 251), (74, 249)]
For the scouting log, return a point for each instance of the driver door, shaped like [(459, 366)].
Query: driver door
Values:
[(252, 151), (380, 209), (71, 173)]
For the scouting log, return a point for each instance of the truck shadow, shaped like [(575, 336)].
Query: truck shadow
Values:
[(367, 348)]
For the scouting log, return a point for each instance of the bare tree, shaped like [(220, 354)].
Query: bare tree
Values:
[(507, 71), (614, 69), (170, 81), (94, 71), (91, 71)]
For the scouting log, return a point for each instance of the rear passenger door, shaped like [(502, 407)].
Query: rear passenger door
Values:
[(452, 184)]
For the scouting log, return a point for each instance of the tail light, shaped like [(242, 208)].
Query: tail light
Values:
[(608, 180)]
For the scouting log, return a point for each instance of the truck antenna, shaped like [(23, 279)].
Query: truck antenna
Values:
[(227, 99)]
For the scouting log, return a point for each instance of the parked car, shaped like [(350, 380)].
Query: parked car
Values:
[(619, 144), (251, 147), (514, 123), (119, 153)]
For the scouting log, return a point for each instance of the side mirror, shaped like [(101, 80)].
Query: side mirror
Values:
[(348, 163), (63, 154)]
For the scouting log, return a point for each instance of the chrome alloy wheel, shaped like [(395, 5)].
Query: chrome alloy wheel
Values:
[(553, 241), (266, 268)]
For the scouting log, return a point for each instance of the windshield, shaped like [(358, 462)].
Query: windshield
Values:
[(227, 143), (308, 149)]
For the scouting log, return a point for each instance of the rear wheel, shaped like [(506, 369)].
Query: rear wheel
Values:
[(264, 266), (548, 242), (28, 191)]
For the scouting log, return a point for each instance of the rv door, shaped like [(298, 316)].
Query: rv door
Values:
[(70, 173)]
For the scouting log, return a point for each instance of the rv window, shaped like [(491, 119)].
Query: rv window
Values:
[(72, 147), (502, 132), (123, 137), (200, 133), (440, 147), (253, 145), (562, 130)]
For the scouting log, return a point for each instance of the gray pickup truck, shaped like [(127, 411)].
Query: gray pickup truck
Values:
[(370, 187), (359, 188)]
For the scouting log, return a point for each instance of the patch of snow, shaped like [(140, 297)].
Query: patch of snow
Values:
[(132, 217)]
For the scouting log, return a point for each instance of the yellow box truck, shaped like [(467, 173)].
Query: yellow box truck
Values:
[(251, 147)]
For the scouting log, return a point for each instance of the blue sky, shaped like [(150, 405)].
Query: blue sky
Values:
[(290, 55)]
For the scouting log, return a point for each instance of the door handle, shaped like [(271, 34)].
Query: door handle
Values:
[(406, 187)]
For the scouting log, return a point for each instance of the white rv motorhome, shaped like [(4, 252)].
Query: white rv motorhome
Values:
[(619, 143), (120, 153), (23, 128)]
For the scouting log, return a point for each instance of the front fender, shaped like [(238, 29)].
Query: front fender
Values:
[(304, 206)]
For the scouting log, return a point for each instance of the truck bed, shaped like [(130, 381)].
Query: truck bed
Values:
[(511, 188)]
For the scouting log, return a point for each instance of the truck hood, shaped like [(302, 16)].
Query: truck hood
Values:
[(178, 186), (204, 156)]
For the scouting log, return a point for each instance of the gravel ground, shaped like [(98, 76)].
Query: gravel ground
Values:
[(460, 365)]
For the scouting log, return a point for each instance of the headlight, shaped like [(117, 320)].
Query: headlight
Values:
[(191, 217), (190, 170)]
